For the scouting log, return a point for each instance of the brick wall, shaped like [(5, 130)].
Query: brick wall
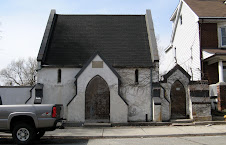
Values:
[(211, 73), (209, 38), (221, 91)]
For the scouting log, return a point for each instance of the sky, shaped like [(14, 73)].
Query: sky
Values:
[(23, 22)]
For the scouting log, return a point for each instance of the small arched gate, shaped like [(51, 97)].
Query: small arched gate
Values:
[(178, 100)]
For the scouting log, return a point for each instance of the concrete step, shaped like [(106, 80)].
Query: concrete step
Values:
[(182, 124), (181, 120), (97, 124), (218, 118)]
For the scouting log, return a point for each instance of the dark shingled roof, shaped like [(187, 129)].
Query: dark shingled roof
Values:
[(208, 8), (121, 39)]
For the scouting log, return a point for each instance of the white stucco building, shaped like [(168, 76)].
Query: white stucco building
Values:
[(100, 67)]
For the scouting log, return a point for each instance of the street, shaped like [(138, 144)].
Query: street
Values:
[(194, 140)]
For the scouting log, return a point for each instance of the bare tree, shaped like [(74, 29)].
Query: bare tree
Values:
[(20, 73)]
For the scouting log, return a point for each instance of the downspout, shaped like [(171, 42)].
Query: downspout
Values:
[(75, 93), (30, 94), (164, 93), (200, 45), (151, 87)]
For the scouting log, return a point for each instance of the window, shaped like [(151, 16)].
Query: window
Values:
[(181, 19), (175, 54), (223, 36), (136, 76), (224, 73), (59, 76)]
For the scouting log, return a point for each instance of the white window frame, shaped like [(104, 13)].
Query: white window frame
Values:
[(220, 26), (222, 37)]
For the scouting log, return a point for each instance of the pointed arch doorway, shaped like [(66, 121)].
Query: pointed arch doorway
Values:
[(178, 101), (97, 100)]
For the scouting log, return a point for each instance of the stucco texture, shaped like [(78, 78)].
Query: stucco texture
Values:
[(118, 108), (166, 106), (137, 95)]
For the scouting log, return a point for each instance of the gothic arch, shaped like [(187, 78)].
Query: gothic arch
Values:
[(97, 100), (178, 100)]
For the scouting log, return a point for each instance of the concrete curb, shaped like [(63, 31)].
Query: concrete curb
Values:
[(127, 136), (135, 136), (68, 125)]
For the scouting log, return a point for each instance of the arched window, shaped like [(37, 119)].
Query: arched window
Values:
[(136, 76), (59, 76)]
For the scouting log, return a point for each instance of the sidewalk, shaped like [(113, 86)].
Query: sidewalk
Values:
[(135, 131)]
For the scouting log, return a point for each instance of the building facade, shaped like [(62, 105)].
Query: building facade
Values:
[(100, 67), (197, 48)]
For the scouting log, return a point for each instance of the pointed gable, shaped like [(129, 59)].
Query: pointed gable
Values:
[(122, 39)]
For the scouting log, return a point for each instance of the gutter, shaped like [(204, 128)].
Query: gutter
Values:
[(212, 17)]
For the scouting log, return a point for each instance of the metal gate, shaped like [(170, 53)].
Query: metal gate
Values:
[(178, 101), (97, 101)]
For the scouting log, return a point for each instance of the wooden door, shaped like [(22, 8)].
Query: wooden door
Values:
[(97, 101), (178, 101)]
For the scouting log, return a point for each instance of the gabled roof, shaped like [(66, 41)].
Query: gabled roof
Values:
[(215, 51), (208, 8), (177, 67), (211, 54), (72, 40), (90, 60)]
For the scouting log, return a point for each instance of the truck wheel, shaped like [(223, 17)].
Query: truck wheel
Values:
[(23, 133), (39, 134)]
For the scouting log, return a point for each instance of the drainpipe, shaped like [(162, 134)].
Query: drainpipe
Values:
[(220, 70), (151, 86)]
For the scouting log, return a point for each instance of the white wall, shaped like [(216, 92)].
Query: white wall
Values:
[(57, 93), (187, 45), (118, 108), (138, 96), (14, 95)]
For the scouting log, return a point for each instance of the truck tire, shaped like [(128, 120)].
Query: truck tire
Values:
[(39, 134), (23, 133)]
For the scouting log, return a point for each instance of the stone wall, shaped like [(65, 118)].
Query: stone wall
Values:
[(166, 100), (201, 105)]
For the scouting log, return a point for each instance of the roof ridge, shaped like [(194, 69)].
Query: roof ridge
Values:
[(101, 14)]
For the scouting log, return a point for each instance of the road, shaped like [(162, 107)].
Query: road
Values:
[(191, 140)]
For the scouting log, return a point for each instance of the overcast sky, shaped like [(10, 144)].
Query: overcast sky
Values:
[(23, 22)]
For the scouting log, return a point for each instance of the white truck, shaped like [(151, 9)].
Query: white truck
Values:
[(28, 122)]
